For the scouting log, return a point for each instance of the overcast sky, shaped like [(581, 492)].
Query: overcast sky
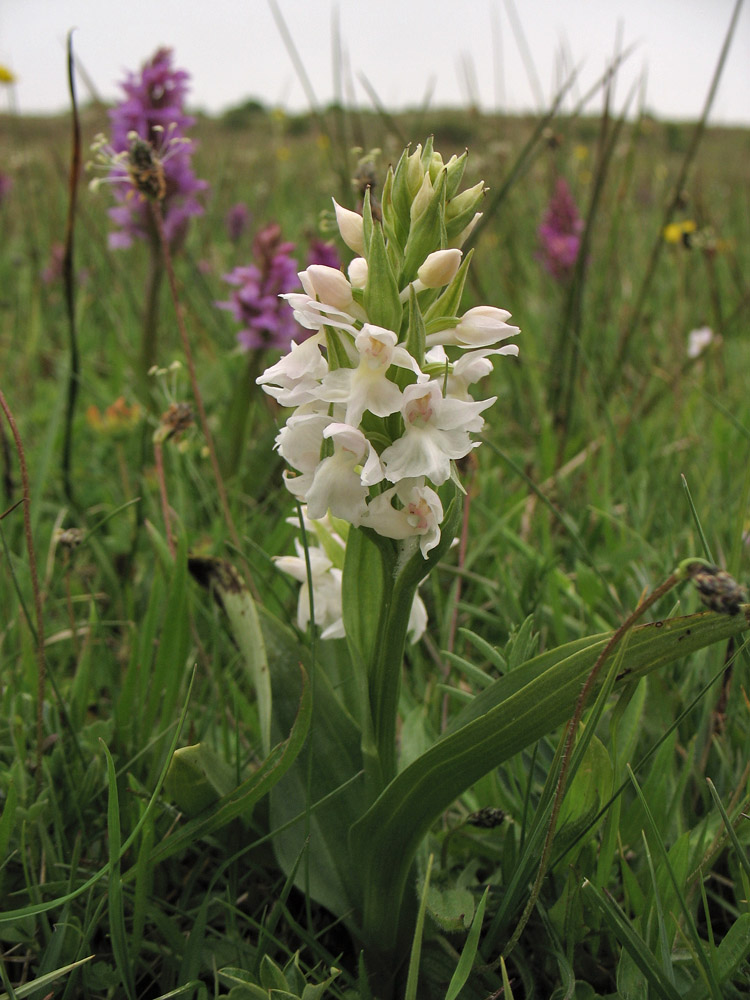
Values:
[(406, 49)]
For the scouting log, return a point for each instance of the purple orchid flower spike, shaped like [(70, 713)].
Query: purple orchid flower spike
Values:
[(152, 109)]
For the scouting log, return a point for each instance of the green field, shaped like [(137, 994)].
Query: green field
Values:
[(610, 456)]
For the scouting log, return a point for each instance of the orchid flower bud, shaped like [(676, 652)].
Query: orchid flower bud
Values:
[(328, 285), (466, 201), (414, 170), (422, 199), (439, 268), (358, 271), (351, 228)]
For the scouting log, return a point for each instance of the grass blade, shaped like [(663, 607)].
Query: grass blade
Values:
[(466, 961), (416, 946), (117, 931)]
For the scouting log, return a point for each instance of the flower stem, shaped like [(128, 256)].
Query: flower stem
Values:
[(150, 330)]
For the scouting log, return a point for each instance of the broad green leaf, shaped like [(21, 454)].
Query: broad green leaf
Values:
[(517, 710), (334, 744), (363, 594)]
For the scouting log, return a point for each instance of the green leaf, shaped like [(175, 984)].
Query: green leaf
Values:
[(466, 962), (271, 976), (386, 661), (223, 580), (401, 198), (415, 337), (117, 932), (587, 792), (197, 778), (367, 221), (416, 947), (254, 788), (513, 713), (8, 818), (336, 349), (363, 592), (623, 930), (316, 991), (13, 916), (678, 887), (427, 233), (742, 855), (382, 303), (454, 169), (334, 746), (452, 909), (43, 981), (734, 948)]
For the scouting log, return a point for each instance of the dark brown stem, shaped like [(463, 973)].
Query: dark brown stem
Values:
[(74, 376), (41, 661)]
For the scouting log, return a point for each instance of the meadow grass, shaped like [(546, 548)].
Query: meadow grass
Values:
[(610, 456)]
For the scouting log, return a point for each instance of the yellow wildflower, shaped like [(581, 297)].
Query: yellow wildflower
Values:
[(6, 75), (676, 232)]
